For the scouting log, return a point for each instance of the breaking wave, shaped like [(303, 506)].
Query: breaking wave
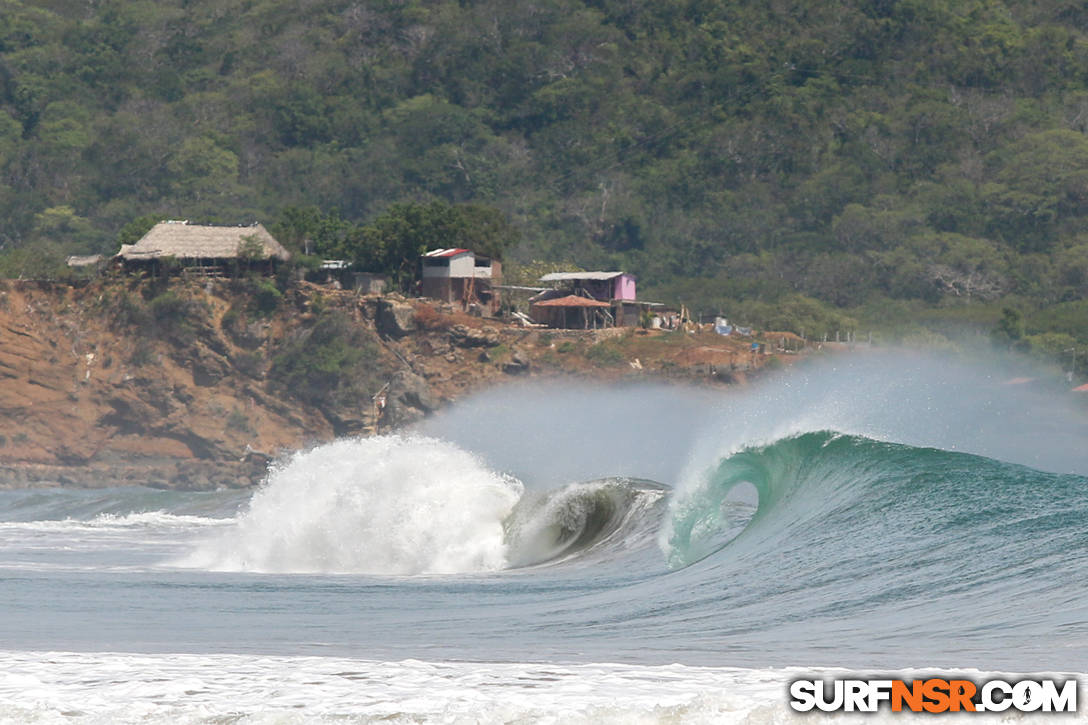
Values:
[(406, 505), (801, 524), (859, 525), (394, 505), (593, 520)]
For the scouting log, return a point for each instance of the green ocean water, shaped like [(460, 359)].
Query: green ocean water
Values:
[(644, 549)]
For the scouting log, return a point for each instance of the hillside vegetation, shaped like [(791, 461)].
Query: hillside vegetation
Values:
[(809, 166)]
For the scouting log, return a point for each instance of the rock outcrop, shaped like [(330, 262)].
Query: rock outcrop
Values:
[(396, 318), (465, 336), (409, 399), (190, 385), (518, 364)]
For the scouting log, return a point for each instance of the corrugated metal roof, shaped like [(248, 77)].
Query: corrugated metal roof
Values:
[(568, 276), (83, 260), (444, 252), (571, 301)]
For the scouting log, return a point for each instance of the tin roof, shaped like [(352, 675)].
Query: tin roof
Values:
[(452, 252), (83, 260), (569, 276)]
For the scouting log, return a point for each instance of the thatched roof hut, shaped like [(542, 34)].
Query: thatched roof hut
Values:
[(183, 240)]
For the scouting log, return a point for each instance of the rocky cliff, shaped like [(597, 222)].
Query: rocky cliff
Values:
[(200, 383)]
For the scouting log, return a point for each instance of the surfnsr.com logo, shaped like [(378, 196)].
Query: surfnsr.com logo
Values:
[(934, 695)]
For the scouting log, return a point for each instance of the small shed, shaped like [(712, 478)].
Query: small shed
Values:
[(572, 313), (459, 275), (85, 262), (369, 283), (336, 273)]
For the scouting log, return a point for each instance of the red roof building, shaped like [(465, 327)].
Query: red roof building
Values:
[(460, 276)]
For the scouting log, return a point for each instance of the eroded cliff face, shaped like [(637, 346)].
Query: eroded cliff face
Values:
[(88, 396), (201, 383)]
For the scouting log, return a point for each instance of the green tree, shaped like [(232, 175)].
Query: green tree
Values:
[(62, 224), (1009, 328), (308, 230), (334, 357), (10, 133), (201, 168), (1039, 181), (394, 241), (134, 230)]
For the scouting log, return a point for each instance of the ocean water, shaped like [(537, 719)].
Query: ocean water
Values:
[(569, 553)]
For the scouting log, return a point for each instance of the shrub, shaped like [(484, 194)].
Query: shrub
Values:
[(173, 316), (231, 318), (333, 357), (131, 312), (169, 307), (266, 298), (44, 261), (428, 318), (249, 363), (143, 354), (238, 421), (605, 354)]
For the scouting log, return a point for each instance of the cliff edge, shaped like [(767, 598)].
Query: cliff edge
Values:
[(201, 383)]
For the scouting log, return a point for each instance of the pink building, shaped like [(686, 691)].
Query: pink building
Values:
[(625, 288), (615, 288), (603, 286)]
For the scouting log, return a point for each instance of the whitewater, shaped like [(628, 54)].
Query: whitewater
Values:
[(572, 553)]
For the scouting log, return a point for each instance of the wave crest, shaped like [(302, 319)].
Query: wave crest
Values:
[(392, 505), (706, 517), (405, 505)]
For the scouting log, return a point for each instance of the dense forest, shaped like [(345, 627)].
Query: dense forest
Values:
[(917, 166)]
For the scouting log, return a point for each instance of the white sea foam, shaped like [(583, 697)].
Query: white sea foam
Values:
[(108, 542), (394, 505), (115, 522), (59, 687)]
